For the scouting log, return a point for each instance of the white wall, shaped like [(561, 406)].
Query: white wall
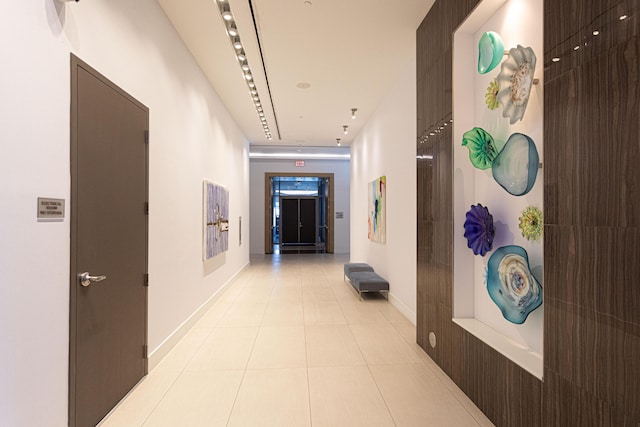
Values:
[(192, 138), (340, 169), (386, 146)]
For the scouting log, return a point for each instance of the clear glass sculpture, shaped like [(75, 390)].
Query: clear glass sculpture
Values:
[(531, 223), (514, 82), (490, 51), (515, 167), (511, 285), (479, 229), (482, 148)]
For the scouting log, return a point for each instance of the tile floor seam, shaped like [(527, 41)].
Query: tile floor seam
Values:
[(244, 373), (181, 371), (373, 377)]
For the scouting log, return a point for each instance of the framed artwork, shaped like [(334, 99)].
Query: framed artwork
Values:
[(216, 220), (377, 221)]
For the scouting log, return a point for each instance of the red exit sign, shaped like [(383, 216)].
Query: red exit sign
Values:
[(299, 163)]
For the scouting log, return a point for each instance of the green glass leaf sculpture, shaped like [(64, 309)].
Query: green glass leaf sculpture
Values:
[(490, 51), (482, 149)]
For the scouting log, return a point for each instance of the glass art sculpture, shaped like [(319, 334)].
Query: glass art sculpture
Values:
[(492, 92), (515, 168), (514, 82), (511, 285), (482, 149), (490, 51), (531, 223), (479, 229)]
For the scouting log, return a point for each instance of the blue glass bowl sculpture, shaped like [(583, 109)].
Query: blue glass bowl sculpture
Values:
[(479, 229), (511, 285), (490, 51), (514, 82), (482, 149), (515, 167)]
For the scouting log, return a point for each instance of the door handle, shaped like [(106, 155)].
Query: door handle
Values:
[(86, 279)]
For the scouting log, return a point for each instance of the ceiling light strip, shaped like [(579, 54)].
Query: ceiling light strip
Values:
[(236, 42), (264, 69)]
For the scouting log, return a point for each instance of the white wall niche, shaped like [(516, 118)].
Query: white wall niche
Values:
[(519, 22)]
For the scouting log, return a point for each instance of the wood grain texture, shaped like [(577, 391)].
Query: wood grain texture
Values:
[(592, 214)]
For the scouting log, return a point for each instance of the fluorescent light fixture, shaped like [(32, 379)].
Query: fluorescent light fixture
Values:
[(298, 155)]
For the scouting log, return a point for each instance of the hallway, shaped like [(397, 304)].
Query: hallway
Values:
[(290, 344)]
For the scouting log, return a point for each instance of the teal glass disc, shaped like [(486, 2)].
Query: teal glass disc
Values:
[(490, 51)]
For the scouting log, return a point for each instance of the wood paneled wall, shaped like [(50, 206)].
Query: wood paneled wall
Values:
[(592, 215)]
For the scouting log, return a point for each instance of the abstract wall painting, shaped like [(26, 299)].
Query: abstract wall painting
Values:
[(377, 225), (216, 220)]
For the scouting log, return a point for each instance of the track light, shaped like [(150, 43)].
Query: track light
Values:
[(235, 39), (353, 113), (345, 127), (338, 141)]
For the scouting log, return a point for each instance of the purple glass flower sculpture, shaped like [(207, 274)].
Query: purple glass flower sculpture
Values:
[(479, 229)]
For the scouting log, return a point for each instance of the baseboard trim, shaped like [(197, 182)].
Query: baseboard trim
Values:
[(404, 309), (159, 353)]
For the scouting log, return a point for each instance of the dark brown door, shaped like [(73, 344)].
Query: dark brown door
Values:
[(108, 324), (289, 225), (307, 215)]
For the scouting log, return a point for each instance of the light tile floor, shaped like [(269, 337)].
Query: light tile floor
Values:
[(289, 343)]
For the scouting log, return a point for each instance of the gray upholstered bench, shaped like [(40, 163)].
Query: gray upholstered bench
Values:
[(368, 281), (354, 267)]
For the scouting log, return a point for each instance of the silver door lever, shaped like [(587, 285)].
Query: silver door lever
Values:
[(86, 279)]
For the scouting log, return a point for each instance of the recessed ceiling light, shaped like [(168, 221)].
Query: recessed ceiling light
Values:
[(303, 85), (245, 67), (227, 15), (237, 45), (233, 31), (241, 57), (623, 17), (556, 59), (248, 76), (252, 85), (596, 32)]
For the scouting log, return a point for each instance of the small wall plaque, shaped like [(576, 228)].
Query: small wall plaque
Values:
[(339, 215), (299, 163), (50, 209)]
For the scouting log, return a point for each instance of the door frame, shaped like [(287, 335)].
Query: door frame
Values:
[(268, 209), (77, 63)]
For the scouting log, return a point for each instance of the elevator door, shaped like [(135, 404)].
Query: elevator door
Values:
[(298, 220)]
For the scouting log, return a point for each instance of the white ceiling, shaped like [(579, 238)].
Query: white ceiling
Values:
[(349, 51)]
